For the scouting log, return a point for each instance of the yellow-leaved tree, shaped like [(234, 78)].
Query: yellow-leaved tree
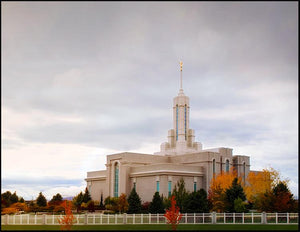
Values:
[(217, 189), (262, 182)]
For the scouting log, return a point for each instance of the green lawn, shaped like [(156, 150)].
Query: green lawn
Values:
[(237, 227)]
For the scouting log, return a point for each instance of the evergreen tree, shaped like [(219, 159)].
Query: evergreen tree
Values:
[(56, 199), (41, 200), (22, 200), (101, 202), (14, 198), (86, 196), (156, 205), (77, 201), (180, 194), (234, 192), (196, 202), (134, 201), (5, 199)]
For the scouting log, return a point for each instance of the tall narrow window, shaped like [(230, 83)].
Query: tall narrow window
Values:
[(195, 186), (214, 166), (244, 172), (185, 121), (157, 186), (227, 165), (176, 122), (116, 186), (169, 188)]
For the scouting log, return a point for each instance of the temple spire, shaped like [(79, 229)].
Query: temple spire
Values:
[(181, 90)]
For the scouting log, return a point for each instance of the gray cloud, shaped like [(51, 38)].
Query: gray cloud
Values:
[(104, 74)]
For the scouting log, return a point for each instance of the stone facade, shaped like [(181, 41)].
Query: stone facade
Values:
[(180, 157)]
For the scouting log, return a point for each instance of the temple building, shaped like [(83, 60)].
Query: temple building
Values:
[(180, 157)]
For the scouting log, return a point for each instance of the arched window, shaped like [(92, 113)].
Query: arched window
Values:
[(214, 166), (116, 186), (227, 166)]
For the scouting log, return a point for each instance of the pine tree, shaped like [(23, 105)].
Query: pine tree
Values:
[(86, 196), (180, 194), (156, 205), (41, 200), (14, 198), (234, 192), (134, 201), (101, 202), (196, 202), (77, 200), (56, 199)]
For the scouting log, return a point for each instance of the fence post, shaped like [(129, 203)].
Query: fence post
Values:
[(44, 219), (276, 217), (233, 218), (243, 217), (185, 218), (263, 218), (14, 219), (194, 218), (124, 218), (203, 218), (142, 219), (214, 218), (28, 219), (21, 218), (287, 218), (35, 219), (252, 218), (6, 219), (101, 218), (85, 219), (149, 218), (133, 219), (157, 218)]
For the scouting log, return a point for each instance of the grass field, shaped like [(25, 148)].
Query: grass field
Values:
[(236, 227)]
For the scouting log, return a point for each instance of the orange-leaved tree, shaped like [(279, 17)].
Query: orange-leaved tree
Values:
[(172, 214), (67, 221), (217, 189), (259, 183)]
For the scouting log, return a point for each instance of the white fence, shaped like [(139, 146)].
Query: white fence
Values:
[(187, 218)]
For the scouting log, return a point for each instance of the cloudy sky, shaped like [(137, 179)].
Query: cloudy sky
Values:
[(81, 80)]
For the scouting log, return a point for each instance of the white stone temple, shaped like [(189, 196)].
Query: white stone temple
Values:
[(180, 157)]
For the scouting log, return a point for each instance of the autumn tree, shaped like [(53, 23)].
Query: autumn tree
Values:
[(217, 189), (259, 183), (123, 203), (112, 203), (173, 214), (134, 201), (41, 200), (67, 220)]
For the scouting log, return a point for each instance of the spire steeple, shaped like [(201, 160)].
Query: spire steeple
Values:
[(181, 89)]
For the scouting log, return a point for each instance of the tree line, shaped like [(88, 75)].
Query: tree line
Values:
[(262, 191)]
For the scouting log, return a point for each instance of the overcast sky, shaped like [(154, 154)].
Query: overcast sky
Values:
[(81, 80)]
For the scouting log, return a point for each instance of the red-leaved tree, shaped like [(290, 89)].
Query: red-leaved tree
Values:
[(66, 222), (172, 214)]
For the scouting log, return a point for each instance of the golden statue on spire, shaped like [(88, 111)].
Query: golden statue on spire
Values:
[(180, 65)]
